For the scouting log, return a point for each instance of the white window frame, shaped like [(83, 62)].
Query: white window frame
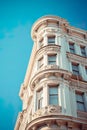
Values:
[(53, 95), (51, 60)]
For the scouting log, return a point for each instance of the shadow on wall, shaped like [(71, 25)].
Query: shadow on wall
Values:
[(6, 116)]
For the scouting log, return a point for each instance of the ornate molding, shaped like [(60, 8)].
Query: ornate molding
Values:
[(62, 122), (48, 110), (49, 70), (48, 49), (77, 84), (77, 58)]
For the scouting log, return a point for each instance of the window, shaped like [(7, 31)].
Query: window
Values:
[(41, 42), (51, 40), (71, 47), (75, 68), (39, 98), (86, 69), (80, 101), (83, 52), (40, 62), (53, 95), (52, 59)]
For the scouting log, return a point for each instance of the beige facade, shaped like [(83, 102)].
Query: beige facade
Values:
[(54, 92)]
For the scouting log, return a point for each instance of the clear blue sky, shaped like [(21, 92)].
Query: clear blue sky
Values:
[(16, 20)]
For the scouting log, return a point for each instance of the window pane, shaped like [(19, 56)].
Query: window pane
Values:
[(53, 90), (39, 99), (53, 100), (51, 39), (79, 97), (86, 69), (80, 106), (76, 72), (71, 47), (80, 101), (75, 69), (53, 95), (40, 103), (41, 42), (83, 52), (40, 62), (51, 59)]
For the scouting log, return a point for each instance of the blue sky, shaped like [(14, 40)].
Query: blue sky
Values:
[(16, 20)]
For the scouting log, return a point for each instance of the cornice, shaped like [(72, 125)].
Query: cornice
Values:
[(77, 40), (45, 19), (77, 58), (60, 119), (48, 49), (46, 70), (78, 85)]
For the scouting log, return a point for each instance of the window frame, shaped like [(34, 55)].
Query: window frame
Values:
[(51, 60), (53, 95), (83, 51), (75, 69), (41, 43), (72, 47), (39, 97), (80, 101), (86, 69), (51, 39), (40, 62)]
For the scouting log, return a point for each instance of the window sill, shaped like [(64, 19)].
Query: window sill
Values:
[(77, 77), (82, 114)]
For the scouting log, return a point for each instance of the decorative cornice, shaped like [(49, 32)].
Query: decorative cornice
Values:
[(77, 84), (77, 58), (48, 49), (49, 69), (69, 120)]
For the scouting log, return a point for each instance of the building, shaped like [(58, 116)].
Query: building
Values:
[(54, 92)]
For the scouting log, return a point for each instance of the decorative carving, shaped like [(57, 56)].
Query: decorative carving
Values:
[(48, 48), (51, 109)]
